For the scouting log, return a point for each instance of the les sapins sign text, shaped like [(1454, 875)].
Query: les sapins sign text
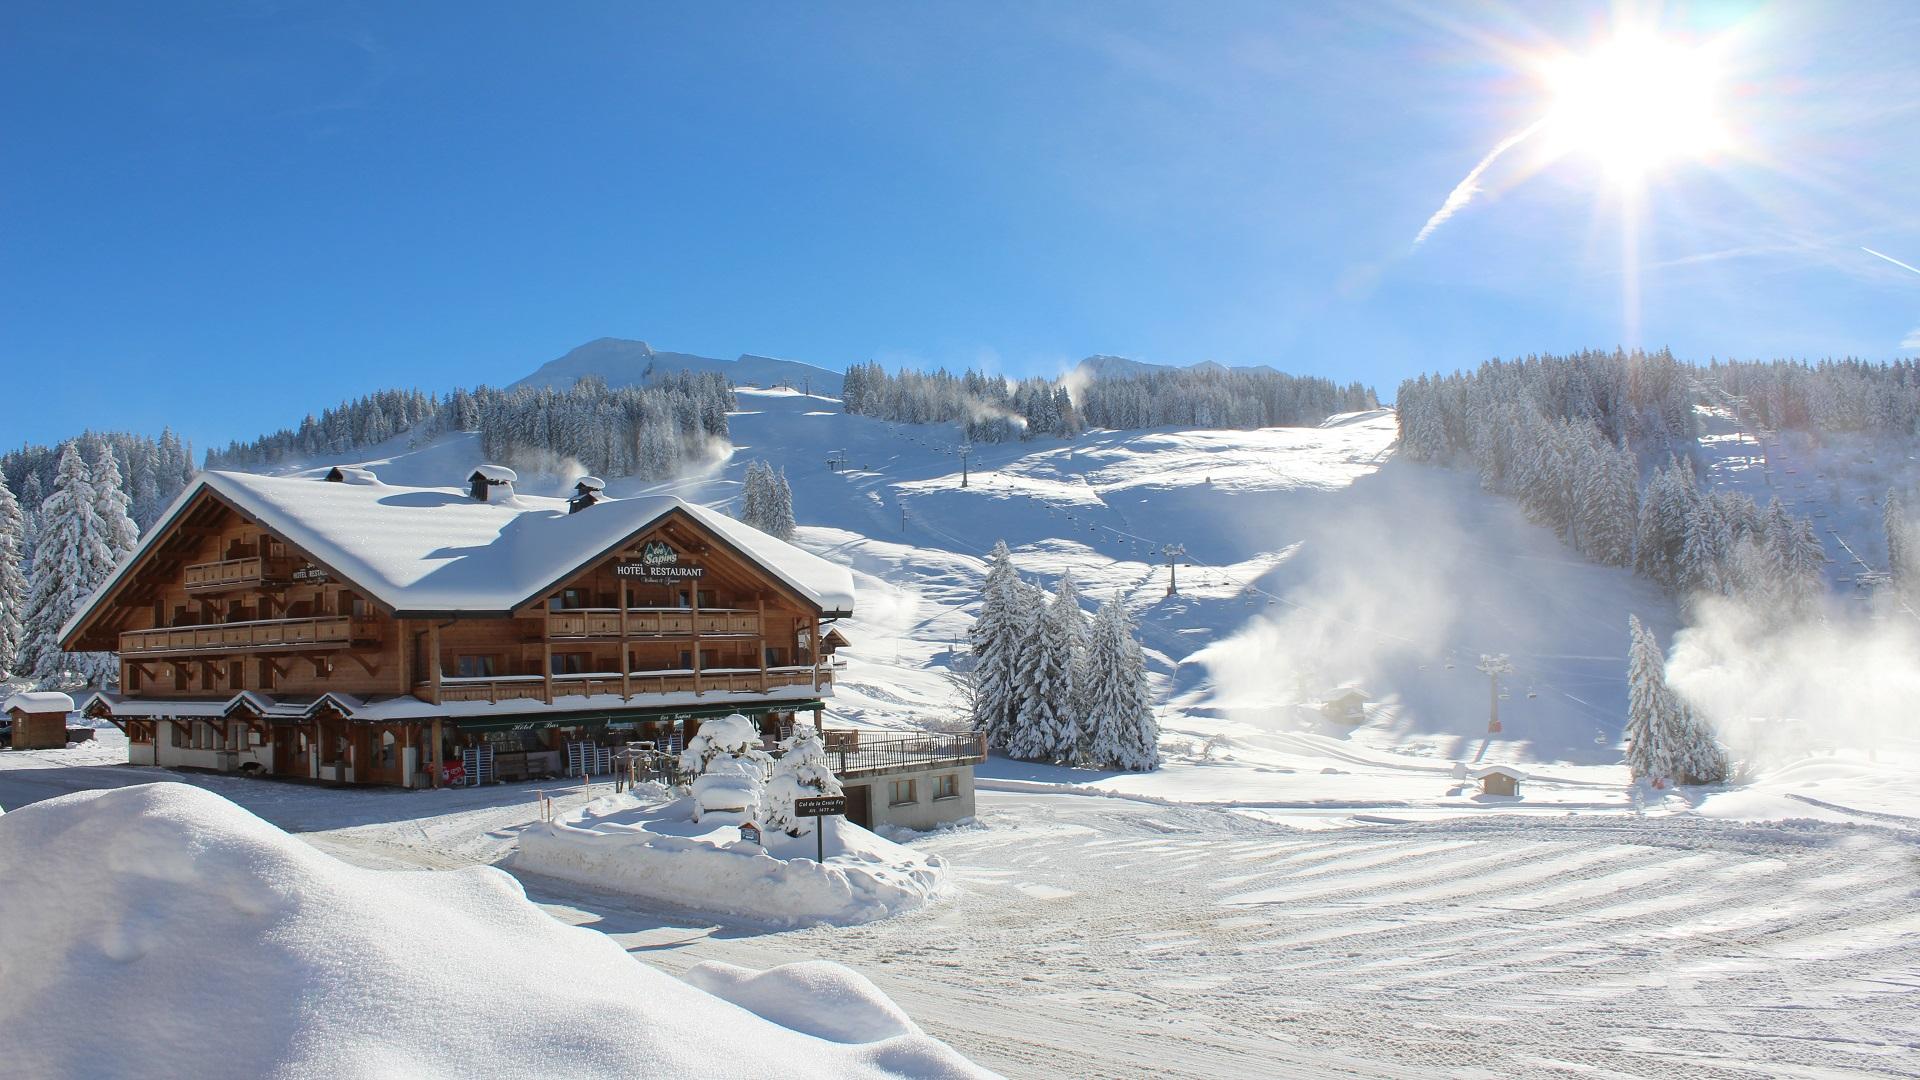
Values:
[(658, 562)]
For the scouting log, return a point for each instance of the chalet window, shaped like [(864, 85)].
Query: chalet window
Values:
[(266, 674), (176, 738), (776, 657), (573, 663), (903, 793), (706, 599), (946, 786), (386, 750), (133, 677), (568, 600), (474, 667), (235, 674)]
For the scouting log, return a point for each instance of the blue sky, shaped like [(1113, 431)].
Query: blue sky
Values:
[(221, 216)]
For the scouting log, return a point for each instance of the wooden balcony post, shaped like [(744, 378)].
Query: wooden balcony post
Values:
[(546, 646), (433, 750), (693, 590), (760, 641), (813, 651), (626, 658), (433, 663)]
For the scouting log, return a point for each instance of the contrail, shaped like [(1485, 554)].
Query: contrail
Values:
[(1891, 259), (1464, 191)]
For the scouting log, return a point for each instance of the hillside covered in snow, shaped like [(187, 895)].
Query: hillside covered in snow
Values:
[(1316, 560)]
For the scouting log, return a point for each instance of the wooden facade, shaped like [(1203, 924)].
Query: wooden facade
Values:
[(239, 650)]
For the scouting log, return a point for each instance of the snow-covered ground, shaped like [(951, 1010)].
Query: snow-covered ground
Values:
[(1100, 936), (144, 904)]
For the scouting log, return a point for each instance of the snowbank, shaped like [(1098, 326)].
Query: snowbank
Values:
[(657, 851), (220, 946)]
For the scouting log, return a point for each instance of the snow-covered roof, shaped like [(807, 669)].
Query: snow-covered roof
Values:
[(437, 550), (498, 474), (39, 701), (1498, 770)]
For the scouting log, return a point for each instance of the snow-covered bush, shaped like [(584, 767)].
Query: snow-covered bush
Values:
[(729, 769), (801, 773)]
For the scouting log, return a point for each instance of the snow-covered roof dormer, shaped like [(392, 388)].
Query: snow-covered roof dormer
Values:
[(491, 483), (586, 491)]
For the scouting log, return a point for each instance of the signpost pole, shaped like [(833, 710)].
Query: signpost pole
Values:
[(819, 840)]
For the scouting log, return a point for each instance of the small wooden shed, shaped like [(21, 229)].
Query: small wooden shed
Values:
[(1499, 780), (1347, 704), (39, 719)]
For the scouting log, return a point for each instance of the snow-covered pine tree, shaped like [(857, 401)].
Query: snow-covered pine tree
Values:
[(753, 495), (1119, 728), (113, 505), (1607, 496), (70, 560), (13, 580), (779, 505), (1042, 684), (1699, 759), (995, 636), (1901, 546), (802, 771), (1704, 554), (1649, 757)]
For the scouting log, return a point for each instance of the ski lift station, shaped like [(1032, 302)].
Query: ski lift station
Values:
[(333, 627)]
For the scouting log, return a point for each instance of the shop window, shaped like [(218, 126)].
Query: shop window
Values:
[(387, 750), (474, 667), (946, 786), (903, 793)]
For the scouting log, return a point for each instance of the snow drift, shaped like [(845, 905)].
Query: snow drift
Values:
[(214, 945), (657, 851)]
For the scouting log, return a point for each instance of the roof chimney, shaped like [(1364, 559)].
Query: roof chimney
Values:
[(491, 483), (587, 491)]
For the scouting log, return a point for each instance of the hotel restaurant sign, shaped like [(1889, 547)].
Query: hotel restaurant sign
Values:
[(658, 562)]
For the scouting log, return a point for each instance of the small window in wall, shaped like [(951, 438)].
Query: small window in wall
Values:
[(235, 674), (266, 674), (568, 598), (903, 793), (573, 663), (474, 667), (946, 786), (706, 599)]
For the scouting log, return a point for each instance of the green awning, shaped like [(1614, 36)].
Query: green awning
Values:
[(603, 717)]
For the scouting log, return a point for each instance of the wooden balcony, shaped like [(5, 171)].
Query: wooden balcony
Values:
[(534, 688), (252, 572), (589, 623), (266, 635)]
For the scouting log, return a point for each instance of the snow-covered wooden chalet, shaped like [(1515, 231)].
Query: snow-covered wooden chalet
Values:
[(336, 627)]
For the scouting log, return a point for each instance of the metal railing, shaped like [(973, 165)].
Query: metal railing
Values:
[(859, 753)]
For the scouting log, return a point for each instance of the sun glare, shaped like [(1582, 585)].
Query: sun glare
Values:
[(1635, 105)]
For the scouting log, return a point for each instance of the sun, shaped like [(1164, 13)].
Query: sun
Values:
[(1637, 104)]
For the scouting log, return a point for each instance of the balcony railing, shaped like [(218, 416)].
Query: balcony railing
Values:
[(534, 688), (329, 631), (235, 573), (859, 753), (651, 622)]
